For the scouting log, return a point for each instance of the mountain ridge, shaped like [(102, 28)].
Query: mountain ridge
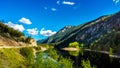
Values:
[(89, 32)]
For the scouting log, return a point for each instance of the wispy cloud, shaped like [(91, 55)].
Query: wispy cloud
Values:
[(33, 31), (25, 21), (116, 1), (53, 9), (49, 8), (47, 32), (58, 2), (68, 3), (45, 8), (15, 26)]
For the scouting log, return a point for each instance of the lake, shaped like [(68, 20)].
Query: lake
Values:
[(97, 59)]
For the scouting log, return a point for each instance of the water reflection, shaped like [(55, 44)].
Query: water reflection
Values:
[(74, 53), (99, 60)]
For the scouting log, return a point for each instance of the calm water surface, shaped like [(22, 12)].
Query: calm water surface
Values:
[(100, 60)]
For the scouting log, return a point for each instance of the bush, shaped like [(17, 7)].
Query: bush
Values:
[(74, 53), (74, 44), (27, 52)]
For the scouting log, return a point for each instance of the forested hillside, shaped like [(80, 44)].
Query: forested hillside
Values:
[(101, 33)]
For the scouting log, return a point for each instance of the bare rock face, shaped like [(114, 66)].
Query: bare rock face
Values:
[(7, 42), (4, 41), (33, 43)]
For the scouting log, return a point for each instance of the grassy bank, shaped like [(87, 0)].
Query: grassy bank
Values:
[(16, 57), (24, 58), (11, 58)]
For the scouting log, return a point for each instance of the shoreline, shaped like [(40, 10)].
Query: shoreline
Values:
[(70, 49)]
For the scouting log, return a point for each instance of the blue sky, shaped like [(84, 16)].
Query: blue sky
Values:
[(43, 18)]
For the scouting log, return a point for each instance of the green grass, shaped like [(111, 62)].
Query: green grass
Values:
[(11, 58), (24, 58)]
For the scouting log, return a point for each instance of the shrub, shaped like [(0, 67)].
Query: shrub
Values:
[(74, 44), (74, 53), (27, 52)]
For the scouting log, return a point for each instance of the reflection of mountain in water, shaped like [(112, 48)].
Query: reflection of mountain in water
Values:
[(98, 59)]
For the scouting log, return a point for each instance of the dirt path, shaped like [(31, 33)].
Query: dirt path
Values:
[(8, 47), (14, 46)]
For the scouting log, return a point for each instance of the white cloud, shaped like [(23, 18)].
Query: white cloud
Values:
[(58, 2), (47, 32), (15, 26), (116, 1), (25, 21), (68, 3), (53, 9), (33, 31)]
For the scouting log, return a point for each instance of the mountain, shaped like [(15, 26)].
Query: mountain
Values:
[(86, 33), (12, 37), (62, 34)]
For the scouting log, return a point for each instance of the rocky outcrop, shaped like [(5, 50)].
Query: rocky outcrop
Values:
[(4, 41), (33, 43)]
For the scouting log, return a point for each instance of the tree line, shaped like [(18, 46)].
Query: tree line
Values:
[(12, 32)]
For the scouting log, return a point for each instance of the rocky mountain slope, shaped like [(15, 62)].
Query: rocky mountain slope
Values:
[(87, 33), (60, 34)]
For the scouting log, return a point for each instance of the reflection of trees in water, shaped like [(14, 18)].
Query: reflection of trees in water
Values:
[(74, 53)]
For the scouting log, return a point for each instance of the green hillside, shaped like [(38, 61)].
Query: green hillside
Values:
[(11, 36)]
